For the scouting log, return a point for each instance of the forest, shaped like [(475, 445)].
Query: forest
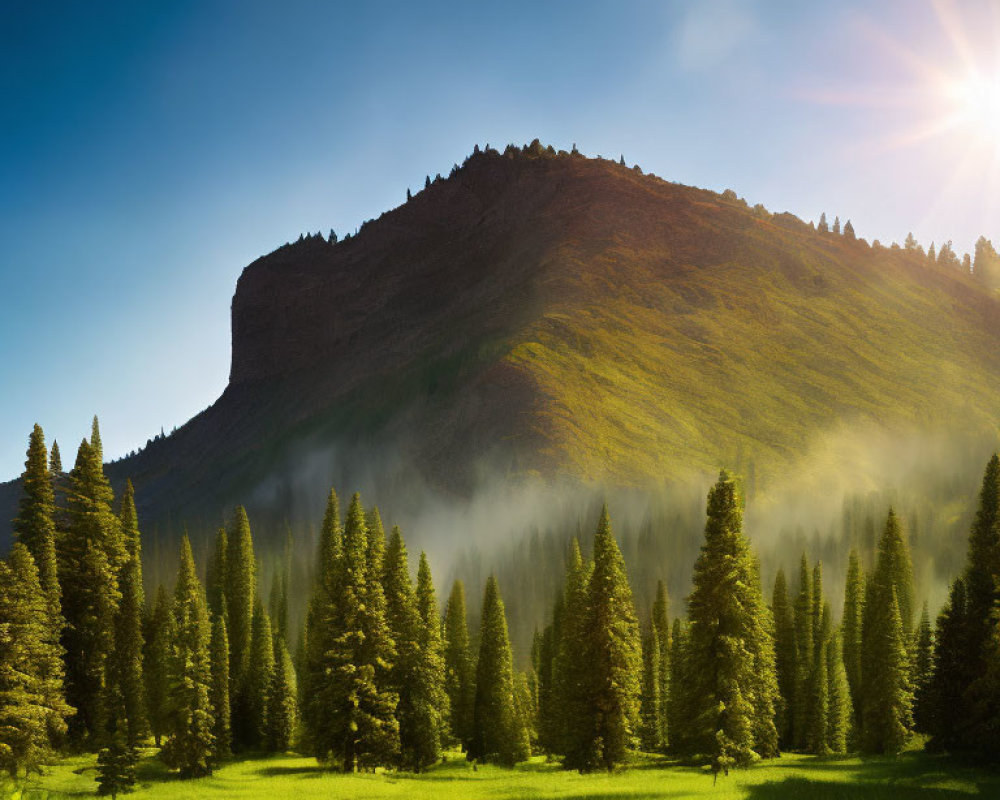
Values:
[(378, 677)]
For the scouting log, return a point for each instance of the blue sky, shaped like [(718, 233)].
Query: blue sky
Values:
[(148, 152)]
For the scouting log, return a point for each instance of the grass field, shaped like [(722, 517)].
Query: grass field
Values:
[(912, 775)]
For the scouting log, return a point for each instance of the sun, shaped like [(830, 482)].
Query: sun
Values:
[(976, 104)]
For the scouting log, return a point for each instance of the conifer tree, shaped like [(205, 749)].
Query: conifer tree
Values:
[(495, 728), (35, 525), (785, 657), (55, 461), (459, 667), (731, 670), (191, 745), (159, 643), (116, 761), (818, 604), (894, 559), (923, 664), (817, 708), (546, 739), (35, 528), (281, 706), (404, 626), (614, 652), (854, 593), (886, 697), (823, 227), (849, 233), (30, 704), (316, 688), (678, 714), (572, 671), (363, 730), (90, 557), (215, 576), (946, 693), (259, 677), (804, 651), (429, 701), (241, 584), (661, 621), (128, 654), (219, 692), (650, 707), (839, 708)]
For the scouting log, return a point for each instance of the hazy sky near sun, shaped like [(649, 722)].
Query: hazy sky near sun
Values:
[(149, 151)]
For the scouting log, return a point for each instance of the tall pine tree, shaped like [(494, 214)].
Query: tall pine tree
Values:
[(785, 656), (219, 694), (661, 621), (731, 645), (282, 710), (159, 644), (129, 644), (854, 595), (241, 585), (190, 747), (496, 730)]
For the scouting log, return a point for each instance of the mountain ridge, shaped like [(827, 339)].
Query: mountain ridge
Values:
[(547, 314)]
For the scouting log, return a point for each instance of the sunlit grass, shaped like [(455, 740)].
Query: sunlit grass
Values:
[(912, 775)]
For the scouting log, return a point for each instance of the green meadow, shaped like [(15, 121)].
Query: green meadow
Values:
[(913, 774)]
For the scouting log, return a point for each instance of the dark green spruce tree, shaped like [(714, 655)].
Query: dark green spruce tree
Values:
[(222, 734), (35, 528), (614, 653), (29, 702), (90, 557), (946, 692), (363, 731), (805, 649), (650, 706), (259, 677), (129, 644), (886, 715), (282, 709), (459, 669), (840, 712), (854, 597), (923, 667), (317, 691), (785, 656), (571, 670), (496, 731), (429, 698), (190, 747), (731, 670), (678, 699), (215, 576), (241, 594), (158, 652), (661, 621), (117, 759)]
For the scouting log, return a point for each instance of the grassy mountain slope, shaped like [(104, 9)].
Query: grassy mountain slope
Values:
[(565, 316)]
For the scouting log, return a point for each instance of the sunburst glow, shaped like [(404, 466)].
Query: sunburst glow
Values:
[(976, 102)]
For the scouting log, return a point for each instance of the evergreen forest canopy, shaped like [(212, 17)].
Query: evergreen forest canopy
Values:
[(379, 675)]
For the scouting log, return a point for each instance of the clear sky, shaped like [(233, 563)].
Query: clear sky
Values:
[(149, 151)]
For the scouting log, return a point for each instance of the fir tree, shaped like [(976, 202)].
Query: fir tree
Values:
[(219, 692), (546, 659), (55, 461), (886, 698), (678, 716), (30, 703), (281, 706), (650, 706), (128, 655), (614, 652), (572, 671), (459, 668), (817, 701), (839, 708), (785, 655), (404, 625), (836, 225), (731, 651), (804, 651), (259, 676), (316, 688), (159, 643), (661, 621), (215, 576), (946, 693), (894, 560), (823, 227), (923, 664), (191, 745), (854, 594), (428, 698), (35, 528), (241, 584), (116, 761), (363, 730), (849, 233), (90, 557), (495, 728)]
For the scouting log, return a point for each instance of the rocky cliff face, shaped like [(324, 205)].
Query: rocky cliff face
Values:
[(553, 315)]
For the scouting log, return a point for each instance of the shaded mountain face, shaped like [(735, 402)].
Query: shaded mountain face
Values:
[(572, 319)]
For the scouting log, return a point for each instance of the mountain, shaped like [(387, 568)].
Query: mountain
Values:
[(544, 314)]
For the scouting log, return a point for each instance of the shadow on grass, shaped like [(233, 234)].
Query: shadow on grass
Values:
[(796, 788)]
